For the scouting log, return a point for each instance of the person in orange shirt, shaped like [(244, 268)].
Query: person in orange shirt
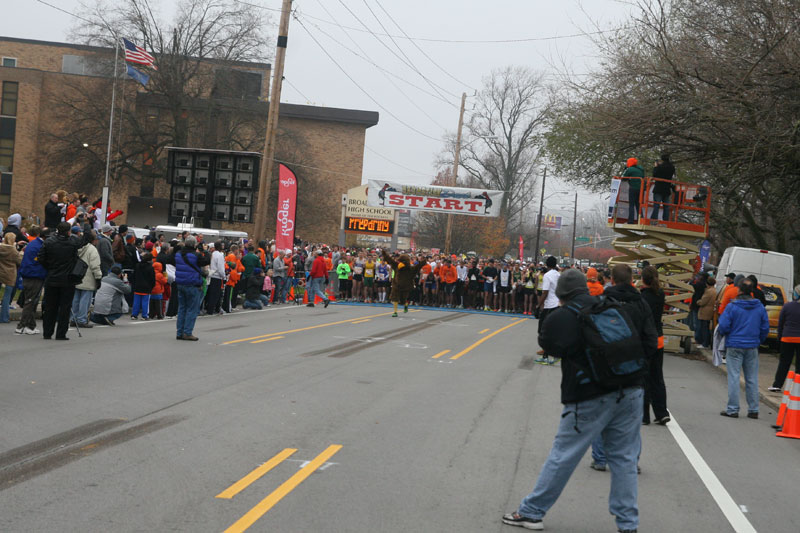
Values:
[(427, 280), (234, 269), (449, 276), (595, 288), (730, 292), (157, 294)]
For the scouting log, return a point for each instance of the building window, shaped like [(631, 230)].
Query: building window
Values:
[(5, 192), (6, 155), (9, 61), (8, 104)]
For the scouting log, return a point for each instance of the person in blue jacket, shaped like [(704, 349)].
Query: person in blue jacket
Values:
[(33, 274), (745, 325), (189, 276)]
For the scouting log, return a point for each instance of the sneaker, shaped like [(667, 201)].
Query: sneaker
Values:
[(134, 317), (729, 415), (325, 303), (752, 415), (774, 389), (309, 305), (515, 519), (554, 360), (34, 331), (598, 467), (663, 420), (85, 326), (189, 337), (19, 331), (543, 360), (394, 315), (627, 530)]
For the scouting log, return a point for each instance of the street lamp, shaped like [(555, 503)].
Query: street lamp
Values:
[(539, 218)]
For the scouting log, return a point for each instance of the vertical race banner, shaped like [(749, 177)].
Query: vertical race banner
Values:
[(521, 247), (612, 200), (287, 203)]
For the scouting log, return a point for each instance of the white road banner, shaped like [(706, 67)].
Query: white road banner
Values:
[(454, 200), (612, 200)]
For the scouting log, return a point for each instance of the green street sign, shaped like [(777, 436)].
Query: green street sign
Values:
[(582, 239)]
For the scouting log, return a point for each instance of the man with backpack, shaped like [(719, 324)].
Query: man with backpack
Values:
[(602, 393)]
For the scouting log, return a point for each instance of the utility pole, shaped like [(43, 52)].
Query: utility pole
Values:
[(455, 171), (574, 226), (265, 176), (539, 222)]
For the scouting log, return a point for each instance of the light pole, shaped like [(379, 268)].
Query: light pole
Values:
[(541, 215), (574, 226)]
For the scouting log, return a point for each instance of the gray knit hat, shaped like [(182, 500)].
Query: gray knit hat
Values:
[(570, 284)]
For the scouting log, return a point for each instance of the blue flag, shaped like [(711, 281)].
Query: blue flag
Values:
[(141, 77)]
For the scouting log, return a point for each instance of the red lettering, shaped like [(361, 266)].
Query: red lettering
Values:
[(452, 204), (473, 205), (396, 199), (433, 202), (414, 200)]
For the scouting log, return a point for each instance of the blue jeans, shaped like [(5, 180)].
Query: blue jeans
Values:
[(80, 305), (633, 204), (660, 198), (260, 303), (738, 359), (189, 299), (141, 302), (8, 293), (316, 289), (617, 420), (279, 285)]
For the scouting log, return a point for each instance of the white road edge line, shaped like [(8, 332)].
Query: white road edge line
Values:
[(724, 500)]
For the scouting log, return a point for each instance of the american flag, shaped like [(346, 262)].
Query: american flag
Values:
[(136, 54)]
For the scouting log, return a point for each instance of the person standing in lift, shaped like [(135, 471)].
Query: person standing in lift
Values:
[(662, 190)]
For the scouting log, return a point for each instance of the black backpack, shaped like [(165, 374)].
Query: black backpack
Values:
[(613, 346)]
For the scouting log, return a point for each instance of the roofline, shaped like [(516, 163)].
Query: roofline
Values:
[(89, 48), (304, 112)]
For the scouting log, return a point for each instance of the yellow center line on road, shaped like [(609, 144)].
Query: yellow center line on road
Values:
[(361, 321), (286, 487), (486, 338), (438, 355), (245, 482), (481, 332), (269, 339), (304, 329)]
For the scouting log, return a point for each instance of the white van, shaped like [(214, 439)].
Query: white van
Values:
[(768, 267)]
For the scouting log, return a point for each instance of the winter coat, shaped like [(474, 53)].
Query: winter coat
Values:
[(58, 255), (705, 305), (279, 269), (92, 257), (250, 263), (188, 265), (253, 288), (634, 172), (665, 170), (789, 322), (106, 254), (744, 323), (18, 236), (640, 312), (655, 301), (161, 279), (9, 261), (118, 248), (319, 268), (144, 278), (52, 214), (108, 300), (30, 267)]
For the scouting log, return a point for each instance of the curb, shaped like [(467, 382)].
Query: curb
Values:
[(768, 400)]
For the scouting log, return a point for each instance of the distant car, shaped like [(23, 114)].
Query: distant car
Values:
[(775, 299)]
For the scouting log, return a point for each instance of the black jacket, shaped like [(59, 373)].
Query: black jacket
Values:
[(655, 301), (253, 288), (18, 236), (58, 255), (131, 257), (52, 214), (640, 313), (559, 337), (144, 277), (664, 170)]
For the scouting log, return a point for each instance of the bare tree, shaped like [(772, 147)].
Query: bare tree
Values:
[(715, 84), (502, 143), (190, 99)]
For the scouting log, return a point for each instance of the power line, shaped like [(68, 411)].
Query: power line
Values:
[(377, 66), (436, 88), (398, 119), (465, 41), (293, 86), (65, 11), (420, 49), (413, 102)]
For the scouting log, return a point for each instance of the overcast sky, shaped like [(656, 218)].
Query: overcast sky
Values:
[(394, 150)]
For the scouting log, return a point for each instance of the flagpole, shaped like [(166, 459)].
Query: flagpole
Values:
[(104, 204)]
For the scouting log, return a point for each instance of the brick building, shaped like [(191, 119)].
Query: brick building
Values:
[(50, 140)]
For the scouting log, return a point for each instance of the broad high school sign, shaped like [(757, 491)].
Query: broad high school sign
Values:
[(454, 200)]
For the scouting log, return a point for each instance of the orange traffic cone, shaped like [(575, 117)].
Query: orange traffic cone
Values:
[(787, 388), (791, 424)]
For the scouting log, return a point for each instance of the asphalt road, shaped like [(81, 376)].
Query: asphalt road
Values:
[(346, 420)]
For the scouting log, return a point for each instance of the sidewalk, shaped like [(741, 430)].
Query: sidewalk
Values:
[(767, 365)]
